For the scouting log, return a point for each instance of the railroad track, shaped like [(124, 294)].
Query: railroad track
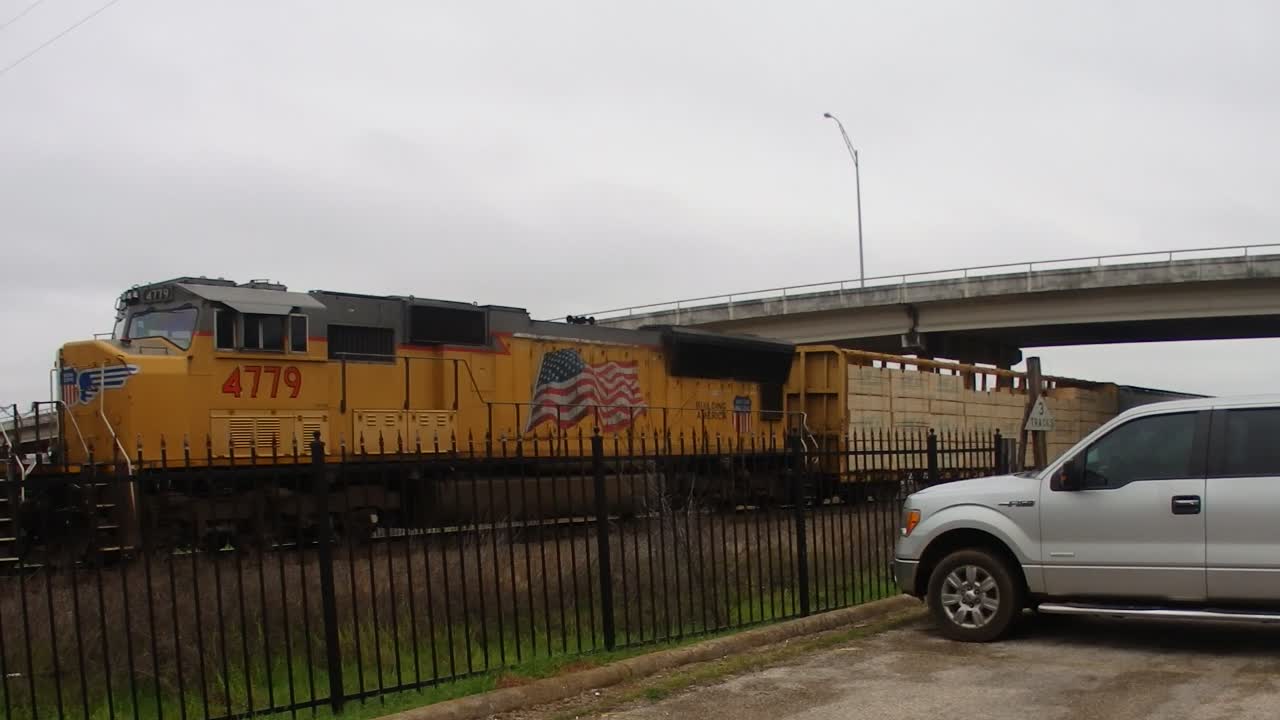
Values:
[(12, 564)]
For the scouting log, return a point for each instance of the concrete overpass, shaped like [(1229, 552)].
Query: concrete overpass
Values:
[(988, 314)]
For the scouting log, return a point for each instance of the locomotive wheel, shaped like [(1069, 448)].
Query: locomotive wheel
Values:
[(249, 540), (70, 537), (358, 524), (215, 541), (161, 540), (166, 535), (251, 536), (53, 536), (178, 531)]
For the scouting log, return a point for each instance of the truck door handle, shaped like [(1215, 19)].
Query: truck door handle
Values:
[(1186, 505)]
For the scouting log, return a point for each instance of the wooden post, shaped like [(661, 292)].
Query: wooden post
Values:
[(1039, 448)]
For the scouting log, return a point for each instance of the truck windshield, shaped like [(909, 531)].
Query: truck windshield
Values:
[(176, 326)]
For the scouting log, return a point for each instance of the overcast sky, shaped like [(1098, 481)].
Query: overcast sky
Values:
[(574, 156)]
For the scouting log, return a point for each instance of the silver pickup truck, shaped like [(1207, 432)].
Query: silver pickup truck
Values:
[(1170, 510)]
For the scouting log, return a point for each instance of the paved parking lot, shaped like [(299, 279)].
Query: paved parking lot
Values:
[(1053, 669)]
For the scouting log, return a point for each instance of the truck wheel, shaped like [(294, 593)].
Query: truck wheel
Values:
[(974, 596)]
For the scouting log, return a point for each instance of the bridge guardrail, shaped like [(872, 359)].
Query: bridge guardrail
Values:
[(902, 279)]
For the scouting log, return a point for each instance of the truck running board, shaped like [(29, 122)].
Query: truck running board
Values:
[(1156, 613)]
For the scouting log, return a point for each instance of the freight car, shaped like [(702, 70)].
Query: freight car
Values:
[(877, 401), (221, 380)]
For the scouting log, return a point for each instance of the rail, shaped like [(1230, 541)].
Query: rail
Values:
[(902, 279)]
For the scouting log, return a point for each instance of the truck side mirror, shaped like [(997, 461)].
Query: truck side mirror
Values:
[(1070, 476)]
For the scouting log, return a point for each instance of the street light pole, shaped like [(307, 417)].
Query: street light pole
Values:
[(857, 183)]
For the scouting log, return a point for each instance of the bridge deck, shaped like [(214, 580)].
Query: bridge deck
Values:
[(987, 318)]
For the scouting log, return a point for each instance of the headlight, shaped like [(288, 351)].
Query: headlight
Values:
[(910, 519)]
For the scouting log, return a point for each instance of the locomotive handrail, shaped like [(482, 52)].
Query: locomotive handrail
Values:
[(60, 404), (102, 412), (67, 414), (901, 279)]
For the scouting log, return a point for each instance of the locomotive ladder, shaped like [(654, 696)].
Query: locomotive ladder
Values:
[(19, 474)]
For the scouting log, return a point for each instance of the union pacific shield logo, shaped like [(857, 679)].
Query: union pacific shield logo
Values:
[(82, 386)]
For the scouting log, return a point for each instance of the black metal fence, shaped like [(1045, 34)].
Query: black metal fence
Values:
[(282, 586)]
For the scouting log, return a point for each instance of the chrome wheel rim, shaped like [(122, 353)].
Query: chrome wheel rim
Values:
[(970, 597)]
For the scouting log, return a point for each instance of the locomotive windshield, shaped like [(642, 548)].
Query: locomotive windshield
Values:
[(176, 326)]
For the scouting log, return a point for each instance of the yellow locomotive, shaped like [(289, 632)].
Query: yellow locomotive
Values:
[(207, 392), (241, 371)]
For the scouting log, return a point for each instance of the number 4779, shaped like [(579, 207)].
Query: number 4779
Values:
[(274, 374)]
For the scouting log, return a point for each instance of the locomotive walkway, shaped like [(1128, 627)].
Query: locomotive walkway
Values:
[(989, 313)]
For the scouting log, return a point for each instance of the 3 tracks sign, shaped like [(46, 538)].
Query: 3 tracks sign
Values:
[(1039, 419)]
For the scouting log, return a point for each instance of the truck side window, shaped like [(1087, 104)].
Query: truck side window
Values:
[(1157, 447), (1252, 440)]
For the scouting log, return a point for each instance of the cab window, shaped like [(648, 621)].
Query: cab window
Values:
[(248, 331), (263, 332), (225, 332), (298, 333), (177, 326), (1158, 447)]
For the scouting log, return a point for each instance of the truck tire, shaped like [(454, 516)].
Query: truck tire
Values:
[(974, 596)]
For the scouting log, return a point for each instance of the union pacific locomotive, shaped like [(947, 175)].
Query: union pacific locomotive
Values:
[(223, 379), (255, 367)]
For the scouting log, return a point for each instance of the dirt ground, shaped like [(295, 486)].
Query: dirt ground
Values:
[(1052, 669)]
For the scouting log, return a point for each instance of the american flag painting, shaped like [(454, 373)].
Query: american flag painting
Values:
[(570, 389), (70, 389)]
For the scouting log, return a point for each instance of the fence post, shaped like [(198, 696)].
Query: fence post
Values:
[(11, 491), (329, 605), (602, 541), (999, 466), (931, 444), (16, 450), (802, 536), (35, 420)]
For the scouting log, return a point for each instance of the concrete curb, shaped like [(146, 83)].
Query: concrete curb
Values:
[(552, 689)]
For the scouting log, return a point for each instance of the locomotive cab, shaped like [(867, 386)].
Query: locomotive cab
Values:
[(160, 355)]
